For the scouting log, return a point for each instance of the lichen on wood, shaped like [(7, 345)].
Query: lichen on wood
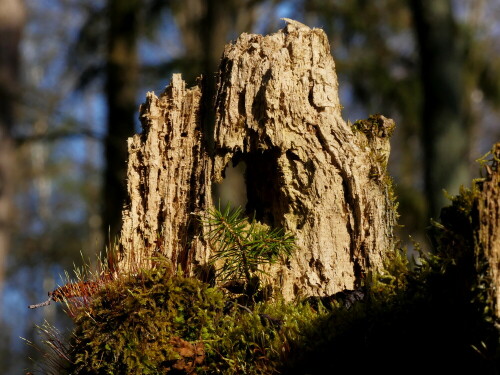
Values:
[(307, 171)]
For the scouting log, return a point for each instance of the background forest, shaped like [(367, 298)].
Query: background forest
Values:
[(73, 73)]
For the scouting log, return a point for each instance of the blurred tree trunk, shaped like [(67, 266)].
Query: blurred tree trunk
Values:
[(445, 135), (308, 171), (12, 17), (121, 91)]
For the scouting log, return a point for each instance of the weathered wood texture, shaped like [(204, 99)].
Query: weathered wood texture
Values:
[(489, 225), (166, 180), (307, 170)]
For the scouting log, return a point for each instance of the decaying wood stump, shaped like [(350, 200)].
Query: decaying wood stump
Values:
[(489, 225), (168, 171), (307, 170)]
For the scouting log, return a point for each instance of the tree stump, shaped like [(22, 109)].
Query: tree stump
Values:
[(489, 226), (307, 170)]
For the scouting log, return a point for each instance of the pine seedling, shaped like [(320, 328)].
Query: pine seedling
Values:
[(240, 247)]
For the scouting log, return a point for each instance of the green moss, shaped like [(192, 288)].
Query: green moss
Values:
[(418, 318), (131, 325), (431, 318), (134, 326), (374, 126), (260, 342)]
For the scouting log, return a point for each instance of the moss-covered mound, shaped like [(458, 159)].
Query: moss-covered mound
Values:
[(158, 323), (151, 323), (432, 317)]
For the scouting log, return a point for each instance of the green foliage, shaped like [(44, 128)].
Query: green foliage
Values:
[(407, 312), (242, 247), (374, 126), (251, 343), (432, 317), (392, 279), (129, 327)]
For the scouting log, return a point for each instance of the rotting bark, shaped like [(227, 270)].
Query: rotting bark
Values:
[(167, 174), (307, 170), (489, 226)]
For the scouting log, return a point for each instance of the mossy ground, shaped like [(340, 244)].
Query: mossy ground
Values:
[(432, 317), (136, 326)]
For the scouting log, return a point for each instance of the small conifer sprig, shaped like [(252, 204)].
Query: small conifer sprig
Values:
[(241, 246)]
